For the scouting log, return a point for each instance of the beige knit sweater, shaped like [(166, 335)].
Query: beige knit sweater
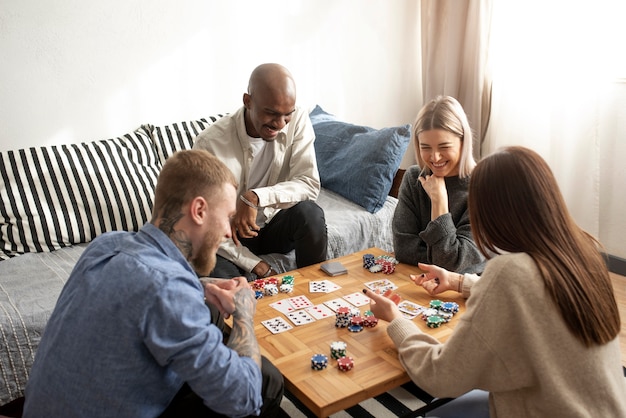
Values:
[(512, 342)]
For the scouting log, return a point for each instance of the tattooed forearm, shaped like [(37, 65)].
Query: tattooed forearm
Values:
[(242, 338)]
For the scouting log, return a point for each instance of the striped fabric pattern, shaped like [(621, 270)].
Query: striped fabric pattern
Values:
[(178, 136), (57, 196)]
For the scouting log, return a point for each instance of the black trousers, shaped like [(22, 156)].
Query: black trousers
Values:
[(301, 227)]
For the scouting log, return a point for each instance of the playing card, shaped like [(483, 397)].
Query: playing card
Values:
[(300, 317), (282, 306), (276, 325), (337, 303), (323, 286), (318, 286), (381, 285), (300, 302), (319, 311), (412, 309), (357, 299)]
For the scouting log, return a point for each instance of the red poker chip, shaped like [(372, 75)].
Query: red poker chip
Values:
[(345, 363)]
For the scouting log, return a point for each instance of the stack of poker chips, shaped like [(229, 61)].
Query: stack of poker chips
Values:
[(258, 294), (345, 363), (439, 312), (319, 362), (342, 317), (356, 324), (271, 289), (287, 284), (258, 284), (369, 320), (338, 349), (384, 263)]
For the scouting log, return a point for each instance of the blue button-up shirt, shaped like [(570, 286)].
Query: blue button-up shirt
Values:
[(129, 328)]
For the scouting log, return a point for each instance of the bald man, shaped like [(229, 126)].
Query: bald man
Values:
[(268, 146)]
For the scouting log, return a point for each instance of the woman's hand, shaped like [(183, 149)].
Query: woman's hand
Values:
[(436, 279), (384, 306)]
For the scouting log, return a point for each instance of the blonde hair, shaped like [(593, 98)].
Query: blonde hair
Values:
[(446, 113)]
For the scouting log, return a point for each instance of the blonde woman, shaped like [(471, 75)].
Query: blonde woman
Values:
[(431, 221)]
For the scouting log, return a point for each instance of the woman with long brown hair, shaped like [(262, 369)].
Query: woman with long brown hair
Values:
[(540, 332)]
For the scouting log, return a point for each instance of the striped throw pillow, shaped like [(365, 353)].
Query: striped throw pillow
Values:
[(57, 196), (178, 136)]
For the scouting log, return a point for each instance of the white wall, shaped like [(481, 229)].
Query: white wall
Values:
[(79, 70)]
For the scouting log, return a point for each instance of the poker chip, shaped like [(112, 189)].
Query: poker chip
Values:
[(426, 313), (288, 280), (451, 307), (376, 268), (286, 288), (368, 313), (345, 363), (446, 316), (270, 289), (436, 304), (388, 267), (370, 321), (356, 320), (272, 280), (319, 362), (355, 328), (338, 349), (434, 321), (258, 294), (258, 284), (342, 317)]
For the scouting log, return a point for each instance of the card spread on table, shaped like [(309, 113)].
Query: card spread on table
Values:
[(299, 302), (322, 286), (337, 303), (357, 299), (276, 325), (412, 309), (381, 285), (320, 311), (282, 306), (300, 317)]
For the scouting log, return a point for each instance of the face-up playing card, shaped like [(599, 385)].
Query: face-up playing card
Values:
[(357, 299), (318, 286), (322, 286), (282, 306), (300, 317), (276, 325), (381, 285), (299, 302), (337, 303), (411, 309), (320, 311)]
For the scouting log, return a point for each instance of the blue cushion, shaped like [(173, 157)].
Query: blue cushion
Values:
[(358, 162)]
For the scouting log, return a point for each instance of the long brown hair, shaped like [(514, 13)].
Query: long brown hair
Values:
[(516, 206)]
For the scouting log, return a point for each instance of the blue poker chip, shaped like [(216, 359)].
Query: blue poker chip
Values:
[(319, 362), (355, 328)]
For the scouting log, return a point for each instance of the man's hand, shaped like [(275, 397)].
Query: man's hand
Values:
[(244, 223), (384, 306), (223, 293)]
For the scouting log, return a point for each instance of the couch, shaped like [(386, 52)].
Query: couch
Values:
[(55, 199)]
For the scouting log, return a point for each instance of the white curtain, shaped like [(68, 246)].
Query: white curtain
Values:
[(455, 45), (552, 65)]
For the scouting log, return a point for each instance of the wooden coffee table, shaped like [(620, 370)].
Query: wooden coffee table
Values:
[(376, 366)]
